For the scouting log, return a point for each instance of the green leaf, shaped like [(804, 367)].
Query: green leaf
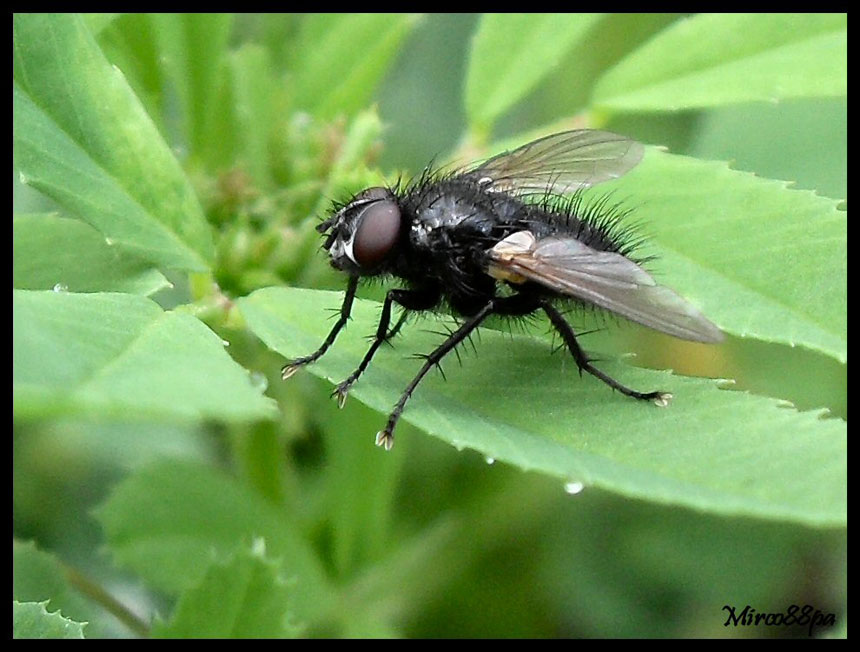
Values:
[(340, 59), (31, 620), (119, 355), (713, 60), (192, 49), (38, 576), (195, 514), (516, 403), (242, 597), (815, 156), (511, 54), (760, 259), (130, 44), (566, 91), (253, 85), (47, 251), (97, 22), (82, 137), (361, 497)]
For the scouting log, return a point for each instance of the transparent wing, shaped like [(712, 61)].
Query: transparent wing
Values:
[(560, 163), (603, 278)]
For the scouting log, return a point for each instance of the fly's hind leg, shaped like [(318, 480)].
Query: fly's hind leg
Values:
[(564, 329)]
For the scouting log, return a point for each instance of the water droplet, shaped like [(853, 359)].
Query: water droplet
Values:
[(61, 287), (258, 380), (258, 546), (490, 460), (302, 119), (225, 343), (573, 488), (23, 178)]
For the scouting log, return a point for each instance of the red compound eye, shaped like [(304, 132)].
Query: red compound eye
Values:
[(378, 230)]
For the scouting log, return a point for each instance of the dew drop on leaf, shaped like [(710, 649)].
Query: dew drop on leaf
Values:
[(573, 488), (259, 380)]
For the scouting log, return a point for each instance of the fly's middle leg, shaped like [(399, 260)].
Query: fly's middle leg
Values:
[(513, 306), (422, 299)]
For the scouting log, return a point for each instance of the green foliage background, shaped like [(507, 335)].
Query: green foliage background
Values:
[(170, 170)]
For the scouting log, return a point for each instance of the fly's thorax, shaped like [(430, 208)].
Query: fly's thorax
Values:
[(435, 220), (450, 213), (451, 226)]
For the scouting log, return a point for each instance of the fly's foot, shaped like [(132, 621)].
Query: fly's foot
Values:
[(661, 399), (341, 392), (385, 438), (289, 370)]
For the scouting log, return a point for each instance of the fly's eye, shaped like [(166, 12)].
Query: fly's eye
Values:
[(378, 230), (375, 193)]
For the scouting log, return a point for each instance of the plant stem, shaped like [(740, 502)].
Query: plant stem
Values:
[(95, 591)]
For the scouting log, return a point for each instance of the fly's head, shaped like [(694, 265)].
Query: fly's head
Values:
[(362, 234)]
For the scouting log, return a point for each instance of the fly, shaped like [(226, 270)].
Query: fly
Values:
[(501, 238)]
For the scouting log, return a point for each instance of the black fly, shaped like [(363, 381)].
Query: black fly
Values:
[(499, 238)]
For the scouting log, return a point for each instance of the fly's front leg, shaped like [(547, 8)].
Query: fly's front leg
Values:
[(411, 300), (582, 361), (294, 365)]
